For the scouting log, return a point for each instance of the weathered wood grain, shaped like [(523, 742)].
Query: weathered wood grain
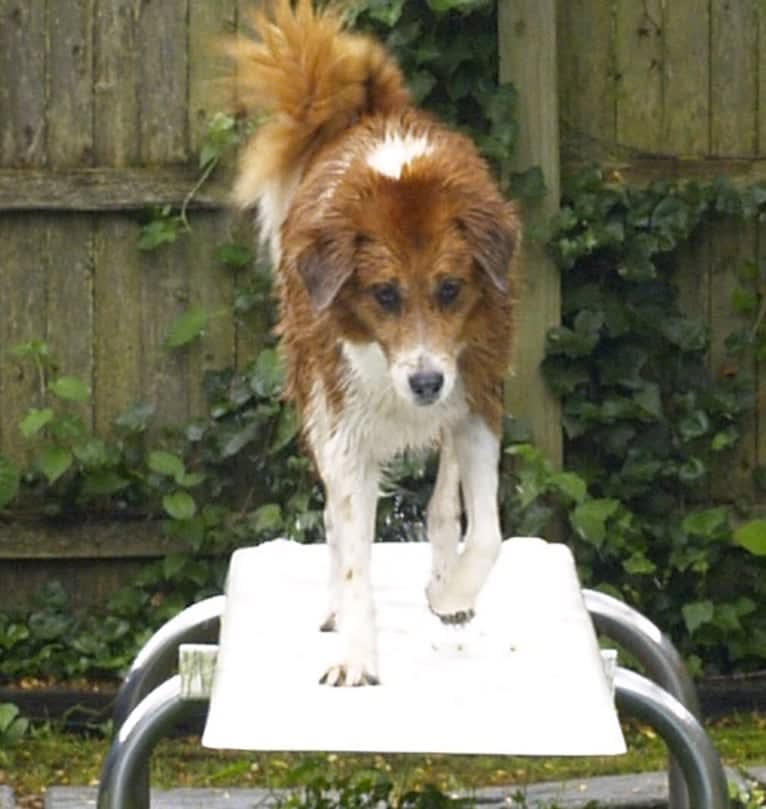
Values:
[(586, 75), (639, 59), (685, 77), (733, 78), (70, 79), (83, 539), (116, 319), (211, 286), (106, 189), (22, 98), (163, 296), (116, 102), (22, 319), (162, 75), (69, 299), (208, 22), (527, 31)]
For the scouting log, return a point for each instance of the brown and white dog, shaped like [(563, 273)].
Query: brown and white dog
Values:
[(395, 253)]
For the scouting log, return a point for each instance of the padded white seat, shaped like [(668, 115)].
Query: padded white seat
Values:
[(525, 677)]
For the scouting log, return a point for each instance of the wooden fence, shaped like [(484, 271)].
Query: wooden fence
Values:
[(103, 106)]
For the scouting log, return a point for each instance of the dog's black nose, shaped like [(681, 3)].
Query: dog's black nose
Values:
[(426, 386)]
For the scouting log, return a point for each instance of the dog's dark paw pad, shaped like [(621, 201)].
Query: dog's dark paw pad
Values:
[(348, 676), (457, 618)]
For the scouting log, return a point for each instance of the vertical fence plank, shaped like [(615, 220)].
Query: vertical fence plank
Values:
[(117, 332), (22, 98), (211, 285), (686, 77), (733, 105), (528, 59), (22, 319), (163, 134), (69, 302), (22, 257), (733, 78), (70, 80), (116, 49), (586, 75), (69, 237), (117, 270), (164, 295), (638, 35), (162, 70), (207, 23)]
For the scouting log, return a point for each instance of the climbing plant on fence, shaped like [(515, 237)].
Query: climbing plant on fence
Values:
[(644, 417)]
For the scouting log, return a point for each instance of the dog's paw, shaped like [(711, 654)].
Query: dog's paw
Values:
[(456, 618), (348, 675), (447, 608), (329, 624)]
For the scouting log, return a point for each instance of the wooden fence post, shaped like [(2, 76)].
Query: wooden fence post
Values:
[(527, 31)]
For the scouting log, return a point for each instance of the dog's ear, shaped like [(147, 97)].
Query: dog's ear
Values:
[(493, 233), (324, 267)]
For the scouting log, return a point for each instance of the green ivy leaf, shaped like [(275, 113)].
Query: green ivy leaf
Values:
[(35, 420), (91, 453), (589, 519), (287, 429), (752, 537), (267, 518), (54, 462), (697, 614), (706, 523), (102, 483), (136, 418), (163, 228), (187, 327), (173, 564), (570, 485), (70, 388), (237, 256), (179, 505), (266, 374), (9, 481), (166, 463)]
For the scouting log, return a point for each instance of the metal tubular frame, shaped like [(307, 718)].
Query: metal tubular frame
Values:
[(698, 759), (657, 654), (144, 693)]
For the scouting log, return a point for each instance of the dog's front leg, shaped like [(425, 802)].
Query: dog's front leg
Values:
[(443, 515), (351, 500), (477, 450)]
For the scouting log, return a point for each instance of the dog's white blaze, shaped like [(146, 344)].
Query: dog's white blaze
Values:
[(391, 155)]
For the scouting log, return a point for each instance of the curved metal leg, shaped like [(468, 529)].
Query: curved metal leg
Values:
[(684, 735), (656, 652), (158, 658), (121, 786)]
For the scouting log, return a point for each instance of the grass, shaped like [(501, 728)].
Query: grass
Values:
[(48, 755)]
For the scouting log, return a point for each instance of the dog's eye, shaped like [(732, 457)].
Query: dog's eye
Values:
[(447, 291), (388, 297)]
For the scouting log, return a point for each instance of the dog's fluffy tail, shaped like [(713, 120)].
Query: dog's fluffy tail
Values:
[(312, 79)]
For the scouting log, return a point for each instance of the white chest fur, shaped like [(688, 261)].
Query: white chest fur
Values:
[(375, 422)]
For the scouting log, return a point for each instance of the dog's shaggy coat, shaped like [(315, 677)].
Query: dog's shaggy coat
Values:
[(395, 256)]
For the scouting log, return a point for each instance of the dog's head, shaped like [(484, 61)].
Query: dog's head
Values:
[(415, 263)]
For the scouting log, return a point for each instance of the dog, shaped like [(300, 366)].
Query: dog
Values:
[(395, 257)]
